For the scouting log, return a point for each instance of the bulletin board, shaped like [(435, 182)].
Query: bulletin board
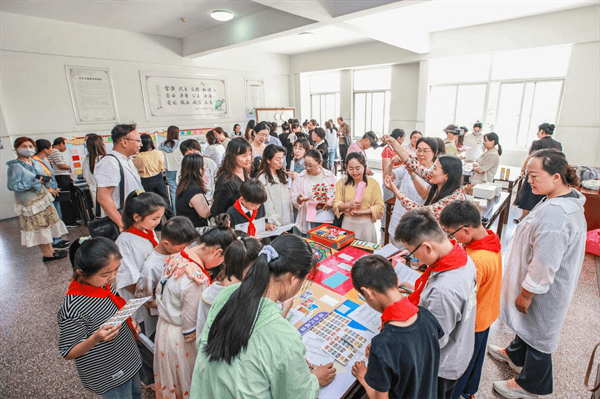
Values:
[(278, 115)]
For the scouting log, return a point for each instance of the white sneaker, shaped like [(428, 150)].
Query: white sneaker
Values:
[(510, 389), (499, 354)]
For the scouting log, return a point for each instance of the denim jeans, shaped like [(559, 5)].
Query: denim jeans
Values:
[(331, 153), (172, 182), (132, 389)]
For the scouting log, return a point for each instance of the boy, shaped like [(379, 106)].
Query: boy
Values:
[(190, 146), (404, 357), (248, 213), (463, 221), (448, 289), (176, 234)]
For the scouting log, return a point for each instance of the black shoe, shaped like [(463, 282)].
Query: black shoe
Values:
[(72, 225), (517, 221), (62, 244), (56, 255)]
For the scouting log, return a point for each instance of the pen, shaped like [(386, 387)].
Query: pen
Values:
[(405, 288)]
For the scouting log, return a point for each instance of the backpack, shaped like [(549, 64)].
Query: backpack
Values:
[(585, 172)]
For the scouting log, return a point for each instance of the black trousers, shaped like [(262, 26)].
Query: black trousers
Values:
[(343, 153), (536, 376), (67, 200), (445, 388), (156, 184)]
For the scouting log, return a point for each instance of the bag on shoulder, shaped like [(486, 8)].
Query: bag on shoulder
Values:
[(105, 227), (596, 389)]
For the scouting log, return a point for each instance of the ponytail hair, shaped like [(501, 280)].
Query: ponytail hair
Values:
[(548, 128), (231, 330), (222, 235), (240, 255), (88, 256), (142, 204), (555, 161), (494, 137)]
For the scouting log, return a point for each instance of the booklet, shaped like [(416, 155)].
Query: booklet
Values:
[(126, 311), (277, 232)]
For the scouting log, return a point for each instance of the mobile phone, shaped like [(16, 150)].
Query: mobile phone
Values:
[(45, 179)]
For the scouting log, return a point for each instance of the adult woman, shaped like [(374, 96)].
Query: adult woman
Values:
[(360, 215), (260, 134), (215, 150), (230, 176), (96, 150), (526, 199), (409, 183), (191, 190), (246, 339), (278, 207), (318, 138), (172, 159), (150, 165), (445, 178), (236, 130), (484, 169), (314, 181), (301, 147), (332, 142), (249, 128), (411, 146), (33, 202), (542, 270), (388, 153)]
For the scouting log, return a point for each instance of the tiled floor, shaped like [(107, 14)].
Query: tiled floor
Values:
[(31, 293)]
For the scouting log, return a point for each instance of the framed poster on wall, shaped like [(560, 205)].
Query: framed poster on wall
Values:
[(92, 95), (255, 95), (169, 95)]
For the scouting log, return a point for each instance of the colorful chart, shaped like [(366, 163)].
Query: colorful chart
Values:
[(334, 272), (320, 250)]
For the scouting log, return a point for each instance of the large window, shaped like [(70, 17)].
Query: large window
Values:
[(325, 97), (372, 101), (458, 104)]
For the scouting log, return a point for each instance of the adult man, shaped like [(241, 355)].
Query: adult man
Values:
[(62, 174), (345, 140), (126, 143), (474, 143), (368, 140)]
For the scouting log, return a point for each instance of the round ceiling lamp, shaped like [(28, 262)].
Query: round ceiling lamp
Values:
[(221, 15)]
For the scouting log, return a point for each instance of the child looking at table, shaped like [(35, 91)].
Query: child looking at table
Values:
[(248, 213)]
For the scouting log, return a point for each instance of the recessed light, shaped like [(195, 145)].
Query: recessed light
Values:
[(306, 34), (221, 15)]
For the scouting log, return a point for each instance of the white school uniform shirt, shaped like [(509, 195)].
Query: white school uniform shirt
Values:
[(107, 175), (206, 301), (178, 300), (151, 272), (278, 207), (544, 257)]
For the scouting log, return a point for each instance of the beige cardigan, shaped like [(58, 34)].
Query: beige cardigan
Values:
[(488, 162), (372, 198)]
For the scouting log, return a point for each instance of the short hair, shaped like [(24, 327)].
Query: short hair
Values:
[(374, 272), (253, 191), (415, 132), (147, 143), (340, 118), (211, 137), (397, 133), (319, 131), (120, 131), (42, 144), (460, 213), (417, 226), (189, 145), (21, 140), (304, 143), (179, 230), (58, 141)]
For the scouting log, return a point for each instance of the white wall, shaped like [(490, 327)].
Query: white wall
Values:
[(35, 96)]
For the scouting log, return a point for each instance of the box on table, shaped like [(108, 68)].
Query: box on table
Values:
[(486, 191), (365, 246), (334, 237)]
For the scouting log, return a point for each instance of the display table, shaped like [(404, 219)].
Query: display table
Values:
[(591, 208)]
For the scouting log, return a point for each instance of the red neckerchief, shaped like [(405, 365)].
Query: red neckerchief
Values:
[(399, 311), (200, 265), (455, 259), (491, 242), (148, 235), (77, 288), (251, 228)]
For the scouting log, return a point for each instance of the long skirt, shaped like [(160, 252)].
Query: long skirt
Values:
[(363, 228), (174, 361), (38, 218)]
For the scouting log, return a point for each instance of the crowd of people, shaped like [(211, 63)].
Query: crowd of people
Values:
[(218, 293)]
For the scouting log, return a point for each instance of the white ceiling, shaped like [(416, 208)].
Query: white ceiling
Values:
[(274, 25)]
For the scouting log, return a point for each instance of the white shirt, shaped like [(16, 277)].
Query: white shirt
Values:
[(278, 208), (107, 175), (58, 158), (215, 152), (332, 139), (89, 177), (474, 144), (178, 300), (206, 301)]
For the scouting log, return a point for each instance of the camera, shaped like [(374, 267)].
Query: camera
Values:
[(459, 132)]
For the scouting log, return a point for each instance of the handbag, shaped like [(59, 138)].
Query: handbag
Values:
[(337, 221), (105, 227), (596, 389)]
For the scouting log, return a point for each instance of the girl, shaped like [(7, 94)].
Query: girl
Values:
[(96, 150), (332, 143), (233, 172), (141, 215), (150, 165), (177, 297), (360, 216), (278, 208), (191, 191), (301, 147), (215, 150), (236, 130), (245, 334), (484, 169), (173, 158), (239, 257), (106, 357)]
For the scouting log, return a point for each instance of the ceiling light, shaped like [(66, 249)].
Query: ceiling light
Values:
[(221, 15), (306, 34)]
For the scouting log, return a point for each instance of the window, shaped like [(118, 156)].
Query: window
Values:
[(372, 79), (325, 97), (372, 100), (471, 68), (458, 104)]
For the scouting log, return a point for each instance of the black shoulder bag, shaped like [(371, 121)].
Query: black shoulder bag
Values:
[(105, 227)]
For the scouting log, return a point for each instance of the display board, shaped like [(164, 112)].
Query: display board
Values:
[(334, 272), (92, 95), (278, 115), (255, 95), (188, 96)]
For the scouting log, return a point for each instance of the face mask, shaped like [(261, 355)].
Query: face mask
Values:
[(26, 152)]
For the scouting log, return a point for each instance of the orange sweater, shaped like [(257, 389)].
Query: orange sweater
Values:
[(489, 283)]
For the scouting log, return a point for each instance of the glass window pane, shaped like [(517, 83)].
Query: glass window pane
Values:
[(368, 116), (359, 112), (509, 109), (492, 110), (546, 101), (531, 63), (373, 79), (459, 69), (469, 106), (321, 120), (378, 113), (524, 128), (388, 96), (440, 109), (329, 108), (325, 82), (337, 107), (316, 107)]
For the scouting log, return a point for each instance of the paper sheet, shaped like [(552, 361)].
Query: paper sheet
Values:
[(314, 354), (407, 274), (387, 251), (367, 316), (277, 232), (325, 269), (126, 311), (331, 301), (318, 216), (346, 257)]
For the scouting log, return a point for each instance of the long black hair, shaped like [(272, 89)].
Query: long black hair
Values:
[(494, 137), (89, 256), (240, 255), (360, 158), (270, 151), (142, 204), (452, 166), (230, 332), (192, 172), (147, 143), (237, 146)]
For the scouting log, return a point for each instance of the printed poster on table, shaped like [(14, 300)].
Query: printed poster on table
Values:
[(187, 96), (255, 95), (92, 95)]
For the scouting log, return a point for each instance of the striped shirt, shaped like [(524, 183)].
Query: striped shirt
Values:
[(108, 364), (57, 158)]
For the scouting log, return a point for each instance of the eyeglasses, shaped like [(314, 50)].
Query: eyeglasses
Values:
[(420, 151), (310, 166), (413, 251), (451, 235), (138, 140)]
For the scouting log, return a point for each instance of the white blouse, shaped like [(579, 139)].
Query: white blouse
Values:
[(279, 209)]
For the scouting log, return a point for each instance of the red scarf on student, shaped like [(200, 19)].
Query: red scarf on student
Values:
[(190, 273), (399, 311), (455, 259), (251, 228), (491, 242), (148, 235), (77, 288)]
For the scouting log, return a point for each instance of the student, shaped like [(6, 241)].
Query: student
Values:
[(175, 235), (301, 147), (246, 339), (368, 140), (239, 257), (248, 213), (210, 167), (450, 140), (278, 207), (236, 132), (448, 289), (462, 221), (484, 169), (232, 173), (388, 152), (332, 142), (191, 191), (404, 357), (215, 150), (318, 137), (150, 165), (142, 214), (173, 160), (107, 357)]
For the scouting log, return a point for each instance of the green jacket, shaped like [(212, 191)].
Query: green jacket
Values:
[(272, 366)]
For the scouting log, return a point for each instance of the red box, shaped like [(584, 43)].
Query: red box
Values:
[(344, 239)]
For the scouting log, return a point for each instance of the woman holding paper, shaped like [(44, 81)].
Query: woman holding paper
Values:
[(359, 198)]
